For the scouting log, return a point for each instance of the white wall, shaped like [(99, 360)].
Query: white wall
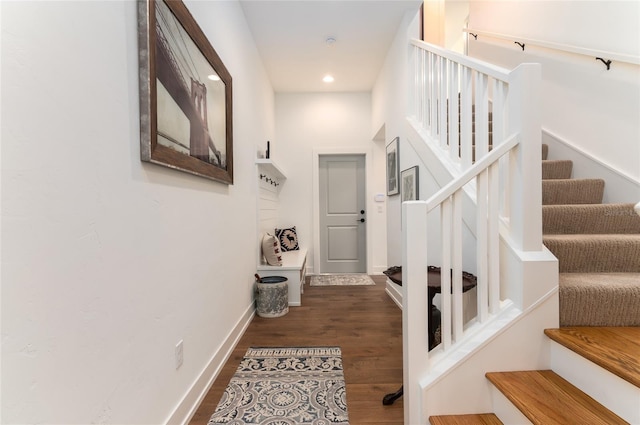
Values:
[(390, 106), (108, 262), (328, 122), (593, 109), (456, 14)]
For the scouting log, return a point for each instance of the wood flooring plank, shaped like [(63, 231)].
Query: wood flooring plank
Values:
[(616, 349), (544, 397), (479, 419), (362, 320)]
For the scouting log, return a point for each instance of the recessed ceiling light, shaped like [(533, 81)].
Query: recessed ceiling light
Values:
[(330, 41), (328, 79), (213, 77)]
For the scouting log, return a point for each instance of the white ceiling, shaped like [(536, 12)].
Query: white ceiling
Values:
[(291, 39)]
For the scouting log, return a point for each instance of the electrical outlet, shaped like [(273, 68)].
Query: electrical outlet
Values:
[(179, 354)]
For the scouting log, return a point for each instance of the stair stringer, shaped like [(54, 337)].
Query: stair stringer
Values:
[(513, 340)]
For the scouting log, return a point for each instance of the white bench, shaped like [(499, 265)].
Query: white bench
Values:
[(294, 268)]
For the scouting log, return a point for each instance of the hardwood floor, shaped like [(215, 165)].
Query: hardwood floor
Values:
[(362, 320)]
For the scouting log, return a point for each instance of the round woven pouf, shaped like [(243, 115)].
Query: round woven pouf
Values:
[(272, 298)]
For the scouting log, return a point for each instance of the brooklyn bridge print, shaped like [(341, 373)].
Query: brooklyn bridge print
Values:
[(191, 112)]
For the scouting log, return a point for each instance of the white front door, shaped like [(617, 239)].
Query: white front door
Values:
[(342, 214)]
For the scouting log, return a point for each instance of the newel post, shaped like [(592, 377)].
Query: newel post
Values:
[(415, 339), (525, 164)]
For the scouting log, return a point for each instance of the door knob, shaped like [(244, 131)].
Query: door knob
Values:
[(361, 211), (361, 220)]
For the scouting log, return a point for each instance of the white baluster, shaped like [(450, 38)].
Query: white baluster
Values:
[(454, 115), (481, 115), (445, 273), (481, 246), (493, 236), (442, 124), (456, 241), (466, 118)]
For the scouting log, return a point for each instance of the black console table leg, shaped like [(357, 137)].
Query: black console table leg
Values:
[(390, 398)]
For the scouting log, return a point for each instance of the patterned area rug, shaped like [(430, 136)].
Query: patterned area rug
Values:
[(341, 280), (286, 386)]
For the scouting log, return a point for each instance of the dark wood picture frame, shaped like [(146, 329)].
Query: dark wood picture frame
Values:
[(393, 164), (186, 110), (410, 184)]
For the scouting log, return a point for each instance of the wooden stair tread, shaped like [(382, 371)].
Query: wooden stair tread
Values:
[(544, 397), (477, 419), (616, 349)]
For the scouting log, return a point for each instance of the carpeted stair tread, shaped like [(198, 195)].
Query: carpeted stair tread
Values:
[(572, 191), (597, 246), (595, 253), (544, 397), (590, 219), (479, 419), (599, 299), (556, 169)]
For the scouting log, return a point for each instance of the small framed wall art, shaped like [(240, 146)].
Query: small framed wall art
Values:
[(393, 174), (410, 184), (185, 94)]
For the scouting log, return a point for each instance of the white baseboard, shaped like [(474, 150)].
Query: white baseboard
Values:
[(378, 270), (187, 407), (395, 292)]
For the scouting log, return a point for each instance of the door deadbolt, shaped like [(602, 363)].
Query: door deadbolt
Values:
[(361, 220)]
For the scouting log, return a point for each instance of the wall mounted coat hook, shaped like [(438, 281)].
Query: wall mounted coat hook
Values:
[(474, 35), (608, 62), (520, 44)]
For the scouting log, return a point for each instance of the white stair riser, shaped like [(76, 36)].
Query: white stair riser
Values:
[(613, 392), (506, 411)]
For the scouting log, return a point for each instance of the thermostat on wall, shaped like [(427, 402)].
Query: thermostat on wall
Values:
[(379, 197)]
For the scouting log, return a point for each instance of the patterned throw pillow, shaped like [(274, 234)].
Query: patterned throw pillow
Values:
[(288, 239), (271, 250)]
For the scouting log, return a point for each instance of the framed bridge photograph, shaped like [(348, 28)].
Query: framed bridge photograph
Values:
[(185, 94)]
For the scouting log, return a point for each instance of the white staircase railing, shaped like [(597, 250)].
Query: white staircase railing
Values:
[(499, 149)]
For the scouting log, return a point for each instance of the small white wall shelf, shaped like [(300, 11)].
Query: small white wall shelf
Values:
[(270, 168)]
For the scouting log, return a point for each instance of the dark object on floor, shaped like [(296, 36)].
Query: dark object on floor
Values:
[(433, 283)]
